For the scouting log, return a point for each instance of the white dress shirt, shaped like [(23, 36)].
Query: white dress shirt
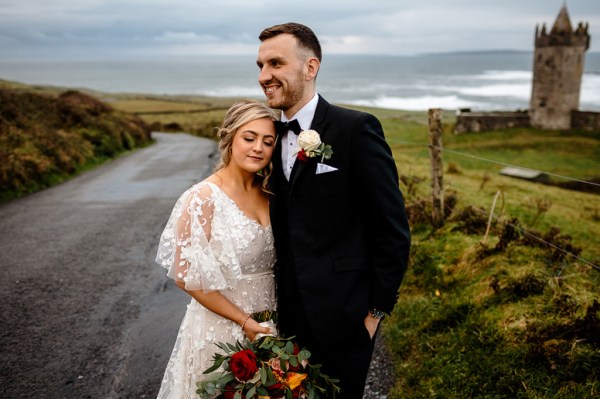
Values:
[(289, 141)]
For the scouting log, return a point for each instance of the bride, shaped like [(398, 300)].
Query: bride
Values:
[(218, 247)]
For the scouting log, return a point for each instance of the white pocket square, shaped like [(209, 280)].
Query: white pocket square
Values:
[(322, 168)]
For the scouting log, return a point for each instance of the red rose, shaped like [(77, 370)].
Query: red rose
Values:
[(243, 365), (230, 391), (302, 156), (276, 390)]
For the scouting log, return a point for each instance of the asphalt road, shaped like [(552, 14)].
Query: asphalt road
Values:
[(85, 311)]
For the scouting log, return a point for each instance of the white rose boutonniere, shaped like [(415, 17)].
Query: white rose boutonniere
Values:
[(310, 146)]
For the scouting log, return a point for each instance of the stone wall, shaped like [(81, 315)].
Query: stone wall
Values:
[(585, 120), (488, 121)]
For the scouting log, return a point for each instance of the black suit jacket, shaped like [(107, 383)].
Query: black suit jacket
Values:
[(342, 237)]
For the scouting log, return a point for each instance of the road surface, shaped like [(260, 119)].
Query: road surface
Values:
[(85, 311)]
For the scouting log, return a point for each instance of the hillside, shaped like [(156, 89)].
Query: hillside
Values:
[(47, 136)]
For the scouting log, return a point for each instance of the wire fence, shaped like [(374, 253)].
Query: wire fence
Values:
[(491, 214), (492, 161)]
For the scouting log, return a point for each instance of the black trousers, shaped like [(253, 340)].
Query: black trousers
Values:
[(347, 360)]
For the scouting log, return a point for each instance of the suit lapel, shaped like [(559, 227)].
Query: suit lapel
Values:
[(319, 124), (277, 176)]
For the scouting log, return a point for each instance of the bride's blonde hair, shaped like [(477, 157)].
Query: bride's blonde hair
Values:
[(238, 115)]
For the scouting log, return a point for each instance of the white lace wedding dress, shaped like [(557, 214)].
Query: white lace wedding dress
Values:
[(210, 244)]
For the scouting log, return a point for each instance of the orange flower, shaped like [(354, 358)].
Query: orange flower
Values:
[(294, 380)]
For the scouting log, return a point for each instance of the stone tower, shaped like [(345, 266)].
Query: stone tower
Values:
[(557, 69)]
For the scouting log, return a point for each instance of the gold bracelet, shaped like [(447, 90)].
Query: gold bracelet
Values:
[(247, 317)]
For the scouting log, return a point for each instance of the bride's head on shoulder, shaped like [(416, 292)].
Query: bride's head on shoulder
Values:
[(247, 138)]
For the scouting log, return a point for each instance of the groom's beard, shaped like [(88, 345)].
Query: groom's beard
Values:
[(287, 96)]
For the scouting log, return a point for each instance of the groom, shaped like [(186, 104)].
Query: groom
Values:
[(341, 233)]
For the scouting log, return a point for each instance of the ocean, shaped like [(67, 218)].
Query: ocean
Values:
[(478, 80)]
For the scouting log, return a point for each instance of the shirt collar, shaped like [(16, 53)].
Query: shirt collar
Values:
[(306, 114)]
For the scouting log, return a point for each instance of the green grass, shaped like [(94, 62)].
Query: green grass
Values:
[(197, 115)]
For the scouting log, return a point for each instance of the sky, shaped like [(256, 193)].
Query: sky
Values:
[(123, 29)]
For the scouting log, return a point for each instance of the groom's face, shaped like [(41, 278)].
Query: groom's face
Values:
[(282, 72)]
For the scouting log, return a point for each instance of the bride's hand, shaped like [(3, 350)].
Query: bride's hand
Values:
[(252, 329)]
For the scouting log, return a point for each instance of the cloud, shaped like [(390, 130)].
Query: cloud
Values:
[(185, 37), (119, 28)]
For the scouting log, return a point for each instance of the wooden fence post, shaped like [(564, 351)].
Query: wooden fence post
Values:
[(437, 168)]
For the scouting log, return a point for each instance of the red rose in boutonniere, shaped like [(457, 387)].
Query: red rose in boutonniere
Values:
[(302, 156), (310, 146)]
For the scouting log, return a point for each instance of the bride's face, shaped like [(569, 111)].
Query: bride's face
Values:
[(253, 145)]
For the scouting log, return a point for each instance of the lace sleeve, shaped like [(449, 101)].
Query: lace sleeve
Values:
[(185, 249)]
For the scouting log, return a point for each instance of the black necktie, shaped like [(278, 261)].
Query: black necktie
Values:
[(292, 125)]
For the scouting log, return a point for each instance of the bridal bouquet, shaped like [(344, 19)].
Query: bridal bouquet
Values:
[(270, 367)]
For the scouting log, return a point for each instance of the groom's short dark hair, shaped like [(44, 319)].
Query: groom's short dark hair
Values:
[(305, 36)]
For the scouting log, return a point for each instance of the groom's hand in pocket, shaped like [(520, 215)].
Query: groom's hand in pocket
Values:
[(371, 324)]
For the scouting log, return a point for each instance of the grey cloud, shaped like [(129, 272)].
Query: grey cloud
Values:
[(118, 27)]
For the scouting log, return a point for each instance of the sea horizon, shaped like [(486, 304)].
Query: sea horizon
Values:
[(483, 80)]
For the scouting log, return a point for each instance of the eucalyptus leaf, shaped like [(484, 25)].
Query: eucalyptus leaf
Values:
[(263, 375), (266, 344), (304, 354), (270, 377), (289, 347), (226, 378)]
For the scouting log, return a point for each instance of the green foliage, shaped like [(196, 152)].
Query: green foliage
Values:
[(515, 322), (45, 138)]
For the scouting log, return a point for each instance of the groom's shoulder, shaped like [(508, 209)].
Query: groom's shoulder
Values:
[(349, 113)]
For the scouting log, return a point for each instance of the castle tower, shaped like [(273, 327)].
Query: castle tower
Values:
[(557, 70)]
